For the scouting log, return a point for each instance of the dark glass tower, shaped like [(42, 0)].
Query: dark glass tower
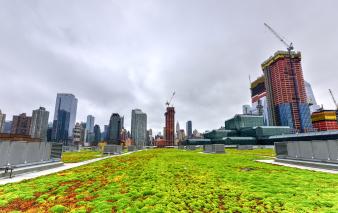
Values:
[(115, 125), (64, 117)]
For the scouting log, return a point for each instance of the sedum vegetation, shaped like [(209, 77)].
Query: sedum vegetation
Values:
[(168, 180), (83, 155)]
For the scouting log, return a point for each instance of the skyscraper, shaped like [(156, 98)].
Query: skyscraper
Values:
[(286, 96), (2, 121), (311, 100), (39, 124), (89, 129), (64, 117), (150, 138), (139, 127), (21, 124), (90, 123), (114, 129), (104, 135), (170, 126), (178, 130), (189, 129), (97, 135)]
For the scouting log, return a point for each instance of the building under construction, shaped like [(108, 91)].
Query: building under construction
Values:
[(170, 126), (258, 99), (324, 120), (286, 96)]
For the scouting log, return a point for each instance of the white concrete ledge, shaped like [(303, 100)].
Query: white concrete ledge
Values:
[(299, 166), (31, 175)]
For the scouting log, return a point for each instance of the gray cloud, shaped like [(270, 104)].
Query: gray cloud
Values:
[(119, 55)]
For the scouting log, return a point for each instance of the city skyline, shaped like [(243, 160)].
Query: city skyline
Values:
[(60, 54)]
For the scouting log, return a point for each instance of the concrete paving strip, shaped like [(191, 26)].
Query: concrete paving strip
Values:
[(27, 176), (298, 166)]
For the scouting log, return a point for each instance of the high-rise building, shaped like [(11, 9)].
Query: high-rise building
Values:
[(150, 138), (258, 99), (164, 132), (124, 136), (77, 134), (311, 100), (104, 135), (97, 135), (83, 132), (90, 123), (170, 126), (64, 117), (182, 135), (139, 127), (178, 132), (39, 124), (89, 133), (21, 124), (114, 129), (286, 96), (189, 129), (122, 122), (2, 121)]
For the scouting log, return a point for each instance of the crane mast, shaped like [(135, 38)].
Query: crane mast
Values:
[(334, 100)]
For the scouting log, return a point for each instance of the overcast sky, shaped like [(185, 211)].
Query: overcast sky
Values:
[(118, 55)]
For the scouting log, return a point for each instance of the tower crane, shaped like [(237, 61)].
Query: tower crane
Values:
[(334, 100), (169, 102)]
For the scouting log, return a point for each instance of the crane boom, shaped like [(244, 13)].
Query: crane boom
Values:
[(169, 102), (289, 46), (334, 100)]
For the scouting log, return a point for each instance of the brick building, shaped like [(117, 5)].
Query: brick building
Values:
[(170, 126), (286, 95)]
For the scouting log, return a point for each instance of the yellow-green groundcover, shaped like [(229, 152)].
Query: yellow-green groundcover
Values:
[(168, 180)]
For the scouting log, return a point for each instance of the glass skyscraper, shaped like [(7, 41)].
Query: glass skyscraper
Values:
[(64, 117), (115, 125), (139, 127), (189, 129)]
